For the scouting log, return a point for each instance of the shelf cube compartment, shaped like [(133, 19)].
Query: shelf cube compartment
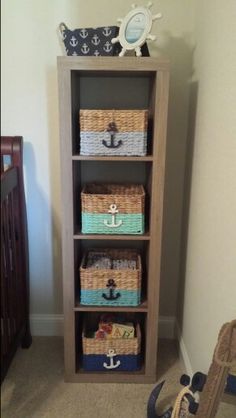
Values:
[(115, 354), (111, 277), (113, 132), (112, 209)]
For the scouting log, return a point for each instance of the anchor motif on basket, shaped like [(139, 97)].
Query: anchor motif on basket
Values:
[(111, 354), (73, 41), (112, 129), (95, 40), (107, 47), (83, 33), (85, 49), (113, 210), (111, 285), (106, 31)]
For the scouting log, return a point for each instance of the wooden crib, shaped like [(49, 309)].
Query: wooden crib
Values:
[(15, 327)]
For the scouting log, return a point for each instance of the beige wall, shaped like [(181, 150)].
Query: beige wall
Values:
[(29, 107), (210, 284)]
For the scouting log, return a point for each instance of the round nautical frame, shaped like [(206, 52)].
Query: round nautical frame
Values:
[(135, 28)]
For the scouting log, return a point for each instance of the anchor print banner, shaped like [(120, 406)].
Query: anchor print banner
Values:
[(90, 41)]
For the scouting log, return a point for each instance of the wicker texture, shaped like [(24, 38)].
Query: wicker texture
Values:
[(97, 198), (125, 120), (125, 284), (120, 345), (113, 132), (113, 209)]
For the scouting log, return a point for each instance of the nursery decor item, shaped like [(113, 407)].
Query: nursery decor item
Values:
[(113, 132), (113, 279), (213, 386), (113, 354), (89, 41), (224, 358), (135, 29), (185, 402), (112, 83), (112, 209)]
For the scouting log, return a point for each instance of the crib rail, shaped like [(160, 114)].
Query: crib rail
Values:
[(14, 254)]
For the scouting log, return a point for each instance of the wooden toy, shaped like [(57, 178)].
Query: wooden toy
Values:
[(212, 386)]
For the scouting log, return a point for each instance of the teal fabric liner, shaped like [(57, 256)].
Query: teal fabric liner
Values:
[(93, 223), (94, 297)]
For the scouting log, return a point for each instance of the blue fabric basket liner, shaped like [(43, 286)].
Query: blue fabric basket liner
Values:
[(94, 362)]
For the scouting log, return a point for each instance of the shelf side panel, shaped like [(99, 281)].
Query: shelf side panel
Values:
[(64, 81), (160, 106)]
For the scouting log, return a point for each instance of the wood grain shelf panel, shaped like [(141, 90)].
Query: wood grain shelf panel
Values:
[(143, 307), (111, 158), (144, 237)]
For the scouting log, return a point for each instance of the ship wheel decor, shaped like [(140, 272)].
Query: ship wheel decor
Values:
[(135, 30)]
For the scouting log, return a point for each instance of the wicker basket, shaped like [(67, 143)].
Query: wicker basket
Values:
[(113, 132), (112, 279), (113, 354), (112, 209)]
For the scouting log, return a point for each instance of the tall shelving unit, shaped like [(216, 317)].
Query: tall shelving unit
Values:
[(111, 83)]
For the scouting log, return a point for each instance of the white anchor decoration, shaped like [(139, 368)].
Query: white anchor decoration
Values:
[(95, 40), (107, 47), (113, 210), (96, 53), (106, 31), (73, 41), (111, 354), (83, 33), (85, 48), (75, 53)]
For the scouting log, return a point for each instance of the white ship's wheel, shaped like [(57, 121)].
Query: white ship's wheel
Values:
[(135, 29)]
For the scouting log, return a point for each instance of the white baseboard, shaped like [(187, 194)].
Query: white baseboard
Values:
[(47, 325), (52, 325), (183, 352)]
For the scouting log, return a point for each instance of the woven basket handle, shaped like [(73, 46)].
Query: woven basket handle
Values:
[(62, 29)]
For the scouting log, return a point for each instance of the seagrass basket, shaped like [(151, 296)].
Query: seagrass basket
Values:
[(113, 132), (114, 354), (111, 277), (112, 209)]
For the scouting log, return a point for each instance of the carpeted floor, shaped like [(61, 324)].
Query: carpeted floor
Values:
[(34, 387)]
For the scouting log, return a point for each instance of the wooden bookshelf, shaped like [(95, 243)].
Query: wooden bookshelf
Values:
[(86, 82)]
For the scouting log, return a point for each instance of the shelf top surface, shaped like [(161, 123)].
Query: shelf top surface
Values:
[(143, 307), (111, 158), (113, 63), (119, 237)]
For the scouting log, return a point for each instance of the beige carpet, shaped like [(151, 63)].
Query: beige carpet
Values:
[(34, 387)]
